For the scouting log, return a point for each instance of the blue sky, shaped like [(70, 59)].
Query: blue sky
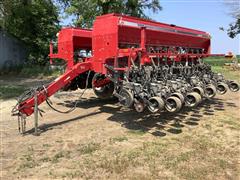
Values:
[(205, 15)]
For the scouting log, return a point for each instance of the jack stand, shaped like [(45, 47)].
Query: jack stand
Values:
[(21, 124), (36, 132)]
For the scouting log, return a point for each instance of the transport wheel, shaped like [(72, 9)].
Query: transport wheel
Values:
[(127, 98), (192, 99), (139, 107), (199, 90), (221, 88), (210, 91), (234, 87), (157, 104), (179, 96), (173, 104), (104, 91)]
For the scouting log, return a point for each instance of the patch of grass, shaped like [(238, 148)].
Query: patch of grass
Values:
[(56, 157), (227, 72), (45, 159), (139, 132), (218, 61), (31, 70), (38, 71), (145, 155), (133, 155), (174, 161), (191, 157), (196, 172), (118, 139), (59, 155), (203, 144), (153, 149), (233, 122), (59, 141), (222, 163), (207, 126), (72, 174), (10, 91), (46, 145), (204, 158), (153, 168), (205, 170), (118, 163), (28, 160), (88, 148), (217, 64), (50, 173)]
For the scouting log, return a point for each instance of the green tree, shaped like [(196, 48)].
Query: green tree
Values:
[(234, 28), (35, 22), (85, 11)]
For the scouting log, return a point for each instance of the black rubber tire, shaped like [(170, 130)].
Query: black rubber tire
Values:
[(173, 104), (233, 86), (198, 90), (192, 99), (179, 96), (157, 104), (105, 91), (129, 99), (210, 91), (221, 88)]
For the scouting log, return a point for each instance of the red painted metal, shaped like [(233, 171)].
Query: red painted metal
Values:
[(117, 41), (70, 40), (27, 107)]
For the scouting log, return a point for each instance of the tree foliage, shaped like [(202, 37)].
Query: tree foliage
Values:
[(85, 11), (234, 28), (35, 22)]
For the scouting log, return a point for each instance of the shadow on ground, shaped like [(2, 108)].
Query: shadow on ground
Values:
[(156, 124)]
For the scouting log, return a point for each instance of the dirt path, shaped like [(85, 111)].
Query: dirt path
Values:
[(101, 140)]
